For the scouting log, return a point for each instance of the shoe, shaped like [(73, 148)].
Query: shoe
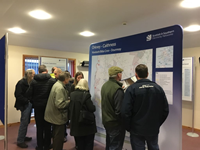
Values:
[(51, 146), (37, 148), (27, 139), (65, 139), (22, 145)]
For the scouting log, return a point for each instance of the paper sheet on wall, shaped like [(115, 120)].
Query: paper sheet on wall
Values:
[(187, 78), (165, 80)]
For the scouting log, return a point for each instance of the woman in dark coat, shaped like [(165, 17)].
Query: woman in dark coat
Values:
[(83, 133)]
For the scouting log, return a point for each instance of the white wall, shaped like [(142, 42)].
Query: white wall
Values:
[(15, 66), (187, 106)]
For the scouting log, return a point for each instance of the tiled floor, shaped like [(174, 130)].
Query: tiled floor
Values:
[(189, 143)]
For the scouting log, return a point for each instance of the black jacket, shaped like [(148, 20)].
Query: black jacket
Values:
[(144, 108), (77, 129), (23, 93), (42, 85)]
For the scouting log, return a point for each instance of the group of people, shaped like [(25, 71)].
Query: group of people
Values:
[(49, 95), (141, 110)]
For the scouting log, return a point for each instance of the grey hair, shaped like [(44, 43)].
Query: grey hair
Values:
[(82, 85), (63, 75), (28, 75)]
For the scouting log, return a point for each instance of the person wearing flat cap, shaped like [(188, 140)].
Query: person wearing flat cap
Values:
[(112, 95)]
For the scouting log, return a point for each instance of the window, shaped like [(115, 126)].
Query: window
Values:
[(30, 62)]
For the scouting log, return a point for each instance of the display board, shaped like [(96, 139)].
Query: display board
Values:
[(54, 62), (2, 79), (156, 49), (188, 72)]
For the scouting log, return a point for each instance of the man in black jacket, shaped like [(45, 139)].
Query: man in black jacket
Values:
[(23, 93), (144, 109), (41, 88)]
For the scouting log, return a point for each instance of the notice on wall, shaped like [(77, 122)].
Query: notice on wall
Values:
[(187, 77), (164, 57), (165, 80), (54, 62)]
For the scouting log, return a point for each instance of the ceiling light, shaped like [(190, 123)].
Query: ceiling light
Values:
[(39, 14), (17, 30), (190, 3), (86, 33), (192, 28)]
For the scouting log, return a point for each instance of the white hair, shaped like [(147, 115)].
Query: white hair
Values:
[(82, 85)]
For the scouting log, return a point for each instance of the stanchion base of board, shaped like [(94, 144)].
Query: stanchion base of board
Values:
[(191, 134), (1, 137)]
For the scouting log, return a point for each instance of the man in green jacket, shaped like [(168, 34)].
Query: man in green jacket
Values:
[(112, 95), (57, 109)]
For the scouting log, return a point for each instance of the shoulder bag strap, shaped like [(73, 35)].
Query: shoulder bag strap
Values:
[(84, 99)]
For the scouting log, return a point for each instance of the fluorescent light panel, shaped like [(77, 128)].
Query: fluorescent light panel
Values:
[(87, 33), (190, 3), (17, 30), (192, 28), (39, 14)]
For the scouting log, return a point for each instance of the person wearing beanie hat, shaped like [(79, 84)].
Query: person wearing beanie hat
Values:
[(112, 95)]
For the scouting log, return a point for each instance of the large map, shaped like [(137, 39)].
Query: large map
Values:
[(99, 72)]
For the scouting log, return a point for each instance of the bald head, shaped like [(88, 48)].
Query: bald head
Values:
[(57, 71)]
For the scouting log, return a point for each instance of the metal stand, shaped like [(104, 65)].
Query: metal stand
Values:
[(1, 137), (192, 134)]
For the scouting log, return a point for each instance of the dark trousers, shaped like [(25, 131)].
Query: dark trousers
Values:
[(58, 135), (24, 121), (85, 142), (138, 142), (115, 138), (43, 129), (65, 130)]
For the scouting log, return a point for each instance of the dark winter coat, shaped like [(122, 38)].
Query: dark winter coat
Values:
[(77, 129), (144, 108), (23, 94), (42, 85)]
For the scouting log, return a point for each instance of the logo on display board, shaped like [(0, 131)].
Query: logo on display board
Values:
[(149, 37), (159, 35)]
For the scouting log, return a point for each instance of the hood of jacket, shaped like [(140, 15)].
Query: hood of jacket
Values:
[(42, 76)]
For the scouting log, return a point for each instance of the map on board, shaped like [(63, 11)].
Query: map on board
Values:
[(99, 72), (164, 57)]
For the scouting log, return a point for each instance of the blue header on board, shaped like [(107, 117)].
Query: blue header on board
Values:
[(139, 41)]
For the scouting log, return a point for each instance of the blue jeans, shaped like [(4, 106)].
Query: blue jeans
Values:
[(24, 121), (115, 138), (138, 142)]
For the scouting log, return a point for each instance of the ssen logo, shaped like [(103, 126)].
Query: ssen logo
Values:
[(149, 37)]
